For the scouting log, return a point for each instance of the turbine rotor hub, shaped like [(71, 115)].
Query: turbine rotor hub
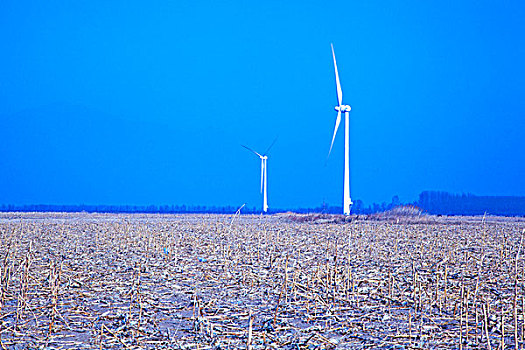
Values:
[(343, 108)]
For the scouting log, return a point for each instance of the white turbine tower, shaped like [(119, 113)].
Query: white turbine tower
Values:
[(347, 202), (264, 178)]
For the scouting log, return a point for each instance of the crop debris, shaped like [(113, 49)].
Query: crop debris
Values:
[(118, 281)]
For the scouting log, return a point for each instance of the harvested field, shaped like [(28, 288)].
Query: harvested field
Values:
[(216, 282)]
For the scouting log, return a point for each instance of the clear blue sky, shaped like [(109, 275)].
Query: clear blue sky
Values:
[(133, 102)]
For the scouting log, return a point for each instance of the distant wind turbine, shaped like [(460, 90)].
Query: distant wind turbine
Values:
[(264, 178), (347, 202)]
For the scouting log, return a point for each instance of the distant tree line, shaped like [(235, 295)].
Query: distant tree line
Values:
[(432, 202), (162, 209), (357, 208), (444, 203)]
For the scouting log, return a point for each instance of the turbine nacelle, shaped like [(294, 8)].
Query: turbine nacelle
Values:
[(343, 108)]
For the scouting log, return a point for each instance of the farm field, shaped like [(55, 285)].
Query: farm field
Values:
[(121, 281)]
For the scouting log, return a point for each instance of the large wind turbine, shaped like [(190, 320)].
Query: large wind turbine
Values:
[(347, 202), (264, 178)]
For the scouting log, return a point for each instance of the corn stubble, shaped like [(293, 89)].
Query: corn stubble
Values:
[(249, 282)]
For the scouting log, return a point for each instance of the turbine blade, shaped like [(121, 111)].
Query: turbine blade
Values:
[(251, 150), (339, 91), (270, 147), (262, 174), (337, 122)]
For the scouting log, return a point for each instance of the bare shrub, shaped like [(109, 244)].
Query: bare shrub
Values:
[(317, 218), (403, 214)]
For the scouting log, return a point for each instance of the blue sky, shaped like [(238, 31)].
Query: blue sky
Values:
[(125, 102)]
